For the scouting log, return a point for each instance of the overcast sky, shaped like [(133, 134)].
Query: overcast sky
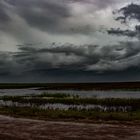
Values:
[(69, 40)]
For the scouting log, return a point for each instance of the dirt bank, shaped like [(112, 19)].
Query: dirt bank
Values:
[(27, 129)]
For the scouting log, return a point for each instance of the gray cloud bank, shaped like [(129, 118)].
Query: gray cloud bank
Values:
[(69, 59), (81, 50)]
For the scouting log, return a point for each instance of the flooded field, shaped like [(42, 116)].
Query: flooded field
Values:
[(92, 93), (71, 104)]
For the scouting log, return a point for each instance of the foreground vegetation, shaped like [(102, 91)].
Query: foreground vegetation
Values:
[(46, 98), (125, 109), (85, 115)]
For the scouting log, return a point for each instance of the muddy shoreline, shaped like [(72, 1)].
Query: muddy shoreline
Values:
[(28, 129)]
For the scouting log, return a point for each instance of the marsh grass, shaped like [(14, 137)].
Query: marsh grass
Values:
[(54, 95), (69, 114), (72, 100), (33, 111)]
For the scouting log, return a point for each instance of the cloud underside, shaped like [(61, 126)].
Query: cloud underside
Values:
[(68, 57), (65, 39)]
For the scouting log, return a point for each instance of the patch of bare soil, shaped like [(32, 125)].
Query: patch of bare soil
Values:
[(27, 129)]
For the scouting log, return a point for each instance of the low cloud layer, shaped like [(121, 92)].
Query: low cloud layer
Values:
[(69, 40), (70, 58)]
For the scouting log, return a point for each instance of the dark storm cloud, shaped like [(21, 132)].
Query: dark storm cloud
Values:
[(3, 14), (51, 16), (70, 60), (131, 11), (43, 20), (120, 32), (43, 14), (70, 57)]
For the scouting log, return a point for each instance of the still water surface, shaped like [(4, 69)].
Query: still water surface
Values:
[(97, 94)]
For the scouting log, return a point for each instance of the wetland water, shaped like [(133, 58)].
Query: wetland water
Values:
[(83, 94)]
